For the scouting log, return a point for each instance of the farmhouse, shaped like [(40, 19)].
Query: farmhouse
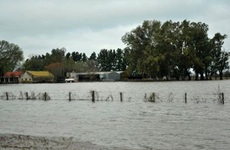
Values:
[(12, 77), (37, 77)]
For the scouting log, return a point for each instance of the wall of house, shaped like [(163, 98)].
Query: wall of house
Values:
[(113, 76), (7, 79), (26, 78), (94, 76), (74, 76)]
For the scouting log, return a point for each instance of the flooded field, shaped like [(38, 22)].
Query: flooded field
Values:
[(169, 123)]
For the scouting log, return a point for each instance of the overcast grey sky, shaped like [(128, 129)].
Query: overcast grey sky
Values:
[(38, 26)]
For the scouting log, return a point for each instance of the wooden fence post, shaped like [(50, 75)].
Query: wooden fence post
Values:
[(222, 98), (121, 97), (185, 98), (69, 96), (93, 96), (7, 96), (152, 98), (27, 96), (45, 96)]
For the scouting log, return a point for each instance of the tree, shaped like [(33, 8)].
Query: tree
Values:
[(199, 44), (10, 56), (67, 56), (223, 63), (76, 56), (120, 63), (140, 41), (111, 60), (91, 66), (69, 65), (35, 63), (93, 56), (84, 57), (173, 49), (168, 48), (57, 69), (38, 62), (220, 57), (57, 55), (102, 59)]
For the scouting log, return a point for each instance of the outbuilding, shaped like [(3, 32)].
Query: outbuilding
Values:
[(110, 76), (95, 76), (37, 77), (12, 77)]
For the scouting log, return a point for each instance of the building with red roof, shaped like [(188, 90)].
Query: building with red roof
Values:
[(12, 77)]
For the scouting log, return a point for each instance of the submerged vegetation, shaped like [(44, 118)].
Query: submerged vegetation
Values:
[(154, 50)]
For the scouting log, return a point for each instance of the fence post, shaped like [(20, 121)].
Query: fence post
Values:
[(222, 98), (69, 96), (152, 98), (121, 97), (185, 98), (45, 96), (7, 96), (93, 96), (27, 96)]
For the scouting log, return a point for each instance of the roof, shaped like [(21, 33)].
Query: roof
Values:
[(8, 74), (17, 73), (13, 74), (41, 74), (98, 73)]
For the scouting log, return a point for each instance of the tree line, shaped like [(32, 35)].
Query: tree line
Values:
[(59, 62), (170, 50), (174, 50)]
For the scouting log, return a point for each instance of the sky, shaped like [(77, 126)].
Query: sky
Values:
[(87, 26)]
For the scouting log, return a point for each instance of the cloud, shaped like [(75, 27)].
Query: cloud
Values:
[(87, 26), (87, 41)]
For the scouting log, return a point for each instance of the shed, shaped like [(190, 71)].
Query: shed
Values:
[(37, 77), (110, 76), (95, 76)]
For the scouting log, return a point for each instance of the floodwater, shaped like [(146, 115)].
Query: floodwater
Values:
[(169, 123)]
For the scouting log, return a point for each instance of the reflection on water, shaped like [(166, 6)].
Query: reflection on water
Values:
[(167, 124)]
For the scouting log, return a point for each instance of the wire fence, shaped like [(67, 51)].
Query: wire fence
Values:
[(95, 96)]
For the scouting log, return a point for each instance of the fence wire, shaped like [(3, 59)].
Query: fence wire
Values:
[(94, 96)]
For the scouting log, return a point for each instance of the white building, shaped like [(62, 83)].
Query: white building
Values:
[(94, 76)]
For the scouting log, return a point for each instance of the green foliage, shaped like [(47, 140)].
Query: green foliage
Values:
[(76, 56), (57, 55), (173, 49), (35, 63), (220, 57), (111, 60), (58, 63), (58, 70), (93, 56), (10, 56)]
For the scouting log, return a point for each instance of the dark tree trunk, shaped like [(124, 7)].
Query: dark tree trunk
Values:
[(201, 76), (196, 78), (221, 75)]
